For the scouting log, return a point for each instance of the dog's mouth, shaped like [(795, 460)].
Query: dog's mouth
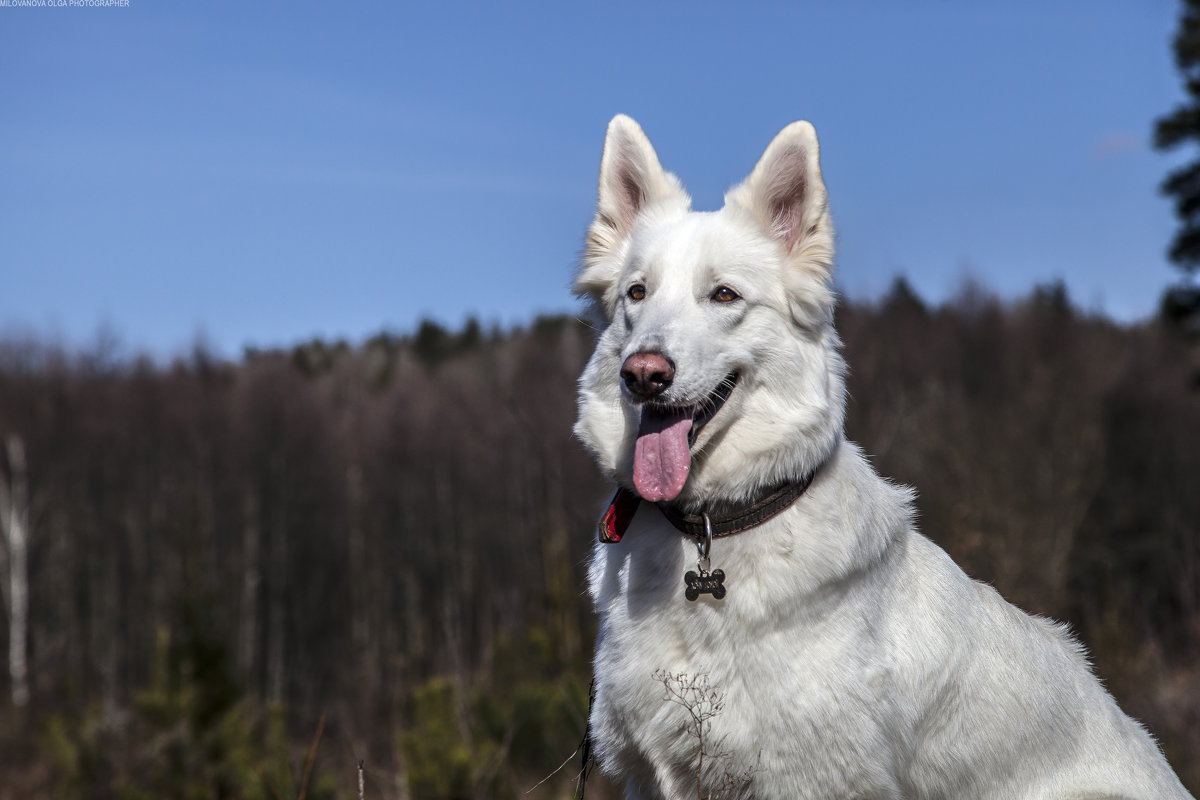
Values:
[(666, 434)]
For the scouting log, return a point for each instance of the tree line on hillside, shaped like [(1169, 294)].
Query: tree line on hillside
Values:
[(204, 559)]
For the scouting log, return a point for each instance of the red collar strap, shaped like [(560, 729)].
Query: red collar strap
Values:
[(625, 504), (616, 519)]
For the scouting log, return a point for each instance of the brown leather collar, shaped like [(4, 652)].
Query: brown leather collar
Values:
[(625, 503), (739, 519)]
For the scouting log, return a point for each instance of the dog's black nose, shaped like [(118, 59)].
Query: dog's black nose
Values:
[(647, 374)]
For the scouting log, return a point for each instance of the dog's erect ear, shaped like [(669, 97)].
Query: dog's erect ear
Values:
[(631, 181), (785, 191), (786, 196)]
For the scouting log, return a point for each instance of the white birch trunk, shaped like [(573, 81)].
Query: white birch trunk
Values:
[(14, 518)]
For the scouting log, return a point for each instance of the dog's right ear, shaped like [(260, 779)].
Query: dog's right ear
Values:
[(786, 196), (631, 182)]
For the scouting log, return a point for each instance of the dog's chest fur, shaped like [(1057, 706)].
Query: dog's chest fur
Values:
[(853, 658), (787, 651)]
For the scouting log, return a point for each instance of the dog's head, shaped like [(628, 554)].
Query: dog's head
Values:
[(718, 371)]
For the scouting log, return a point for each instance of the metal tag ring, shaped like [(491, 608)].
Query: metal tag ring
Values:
[(704, 545)]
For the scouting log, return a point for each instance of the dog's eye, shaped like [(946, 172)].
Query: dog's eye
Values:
[(636, 292), (724, 294)]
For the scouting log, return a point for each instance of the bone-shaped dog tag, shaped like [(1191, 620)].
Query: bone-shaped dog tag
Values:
[(704, 582)]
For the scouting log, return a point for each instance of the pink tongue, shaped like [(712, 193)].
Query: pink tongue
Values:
[(661, 457)]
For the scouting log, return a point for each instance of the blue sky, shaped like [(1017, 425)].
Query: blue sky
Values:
[(260, 173)]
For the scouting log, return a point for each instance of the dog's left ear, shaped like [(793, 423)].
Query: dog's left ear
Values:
[(786, 196)]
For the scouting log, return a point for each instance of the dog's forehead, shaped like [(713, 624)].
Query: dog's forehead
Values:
[(699, 240)]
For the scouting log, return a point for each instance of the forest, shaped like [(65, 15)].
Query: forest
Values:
[(238, 578)]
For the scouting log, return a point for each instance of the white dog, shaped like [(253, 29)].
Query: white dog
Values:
[(827, 650)]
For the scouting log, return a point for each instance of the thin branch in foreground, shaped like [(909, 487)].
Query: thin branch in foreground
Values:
[(557, 770), (266, 781), (695, 695), (312, 757)]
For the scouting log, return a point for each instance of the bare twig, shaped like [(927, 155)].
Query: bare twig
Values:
[(557, 770), (702, 702), (270, 786), (312, 757), (361, 790), (693, 694)]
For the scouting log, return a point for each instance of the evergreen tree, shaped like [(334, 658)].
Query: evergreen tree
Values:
[(1181, 303)]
